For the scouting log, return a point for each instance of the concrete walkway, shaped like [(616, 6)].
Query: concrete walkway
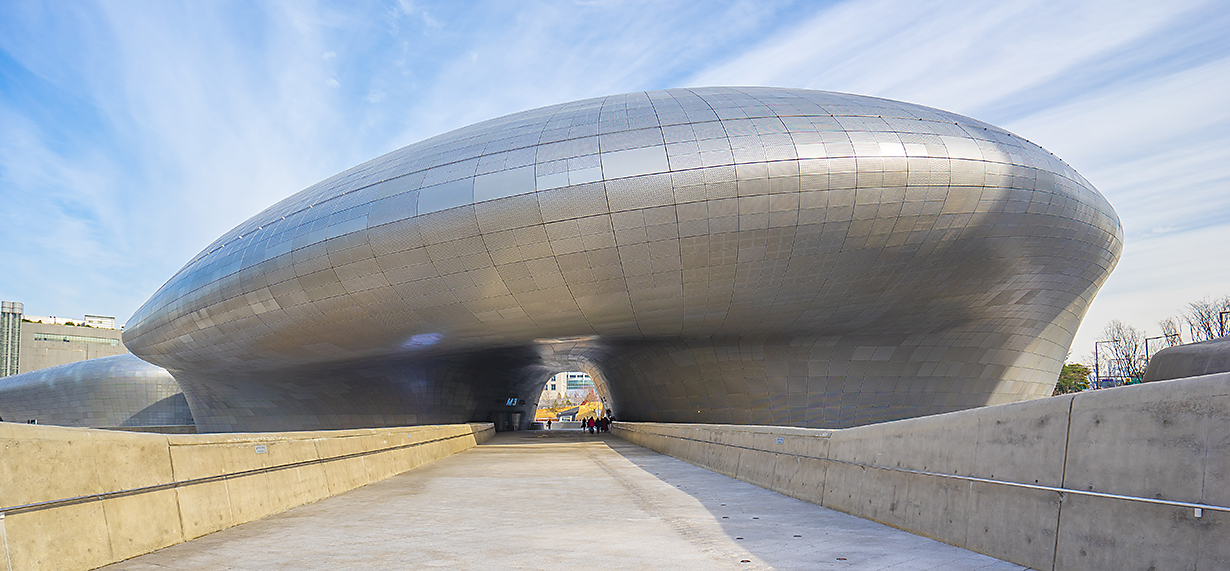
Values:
[(561, 500)]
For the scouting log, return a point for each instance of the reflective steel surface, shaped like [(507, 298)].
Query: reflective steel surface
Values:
[(120, 390), (731, 255), (1191, 360)]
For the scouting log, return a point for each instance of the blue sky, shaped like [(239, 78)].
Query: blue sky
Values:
[(134, 133)]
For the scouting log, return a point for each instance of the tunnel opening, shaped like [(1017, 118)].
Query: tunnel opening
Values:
[(571, 400)]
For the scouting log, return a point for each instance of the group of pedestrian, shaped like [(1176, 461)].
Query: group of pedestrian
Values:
[(597, 424)]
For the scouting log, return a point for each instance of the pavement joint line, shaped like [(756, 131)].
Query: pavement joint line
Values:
[(1060, 490), (48, 504)]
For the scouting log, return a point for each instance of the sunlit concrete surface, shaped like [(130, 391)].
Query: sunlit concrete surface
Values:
[(561, 500)]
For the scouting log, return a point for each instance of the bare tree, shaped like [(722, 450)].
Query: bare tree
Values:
[(1171, 335), (1126, 346), (1203, 318)]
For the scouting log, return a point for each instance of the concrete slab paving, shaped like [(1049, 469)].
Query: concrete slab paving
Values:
[(561, 500)]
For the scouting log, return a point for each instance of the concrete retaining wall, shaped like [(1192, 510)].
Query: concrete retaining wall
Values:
[(185, 486), (1016, 481)]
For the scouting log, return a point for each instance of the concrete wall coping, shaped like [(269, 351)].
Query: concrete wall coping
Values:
[(749, 428)]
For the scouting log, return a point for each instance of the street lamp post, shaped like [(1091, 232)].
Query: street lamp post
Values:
[(1147, 339), (1097, 375)]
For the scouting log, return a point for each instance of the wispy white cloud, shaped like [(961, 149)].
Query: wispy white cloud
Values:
[(1156, 146), (141, 133), (203, 114), (1156, 278), (431, 22), (960, 56), (195, 132), (1158, 149), (542, 53), (375, 96), (74, 208), (1135, 95)]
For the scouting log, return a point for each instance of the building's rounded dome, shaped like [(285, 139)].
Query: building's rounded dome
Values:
[(115, 391), (919, 243)]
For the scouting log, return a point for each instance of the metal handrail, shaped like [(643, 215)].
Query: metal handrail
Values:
[(36, 506)]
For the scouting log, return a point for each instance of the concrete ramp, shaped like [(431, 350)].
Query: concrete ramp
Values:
[(562, 500)]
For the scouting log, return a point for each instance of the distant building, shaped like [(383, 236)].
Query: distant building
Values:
[(100, 321), (96, 321), (571, 384), (30, 342), (577, 381), (10, 337)]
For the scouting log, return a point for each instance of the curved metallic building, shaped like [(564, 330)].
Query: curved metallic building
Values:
[(1191, 360), (116, 391), (731, 255)]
